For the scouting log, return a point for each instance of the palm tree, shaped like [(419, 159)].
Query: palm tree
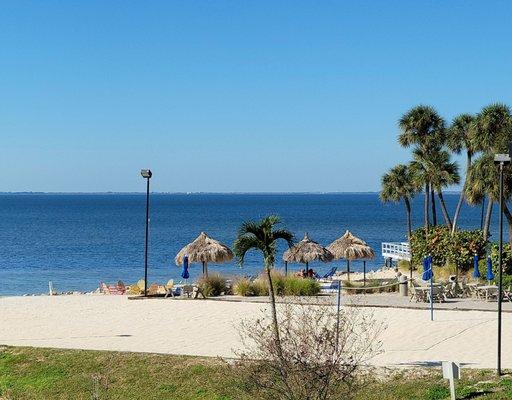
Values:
[(458, 139), (490, 133), (443, 173), (262, 236), (492, 129), (423, 128), (397, 185), (483, 180)]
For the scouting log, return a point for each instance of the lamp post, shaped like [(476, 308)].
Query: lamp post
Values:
[(501, 160), (146, 174)]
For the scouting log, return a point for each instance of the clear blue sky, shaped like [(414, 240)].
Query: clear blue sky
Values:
[(234, 95)]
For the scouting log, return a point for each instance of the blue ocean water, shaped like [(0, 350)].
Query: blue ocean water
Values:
[(78, 240)]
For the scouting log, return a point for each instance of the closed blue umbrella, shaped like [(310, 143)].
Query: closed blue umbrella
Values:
[(476, 271), (184, 273), (427, 269), (490, 274)]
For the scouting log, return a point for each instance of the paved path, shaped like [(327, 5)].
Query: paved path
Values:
[(209, 328)]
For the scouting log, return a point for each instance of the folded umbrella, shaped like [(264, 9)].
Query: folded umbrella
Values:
[(184, 273), (476, 271), (427, 268), (490, 274)]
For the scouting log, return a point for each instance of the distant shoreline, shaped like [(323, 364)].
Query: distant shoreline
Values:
[(191, 193)]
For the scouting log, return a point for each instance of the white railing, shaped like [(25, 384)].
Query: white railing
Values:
[(396, 251)]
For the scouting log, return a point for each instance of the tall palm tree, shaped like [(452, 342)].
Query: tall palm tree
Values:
[(483, 180), (397, 185), (459, 139), (490, 133), (262, 236), (443, 173), (422, 127)]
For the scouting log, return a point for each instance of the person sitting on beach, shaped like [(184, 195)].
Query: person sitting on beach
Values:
[(311, 273)]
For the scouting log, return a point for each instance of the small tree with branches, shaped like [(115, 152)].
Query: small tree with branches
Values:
[(313, 363)]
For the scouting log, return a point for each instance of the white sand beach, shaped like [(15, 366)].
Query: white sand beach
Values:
[(209, 328)]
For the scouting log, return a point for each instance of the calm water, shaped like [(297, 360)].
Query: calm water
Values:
[(78, 240)]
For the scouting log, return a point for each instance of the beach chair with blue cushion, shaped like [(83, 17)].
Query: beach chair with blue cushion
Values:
[(328, 275)]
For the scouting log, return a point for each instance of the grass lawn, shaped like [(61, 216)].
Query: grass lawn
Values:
[(33, 373)]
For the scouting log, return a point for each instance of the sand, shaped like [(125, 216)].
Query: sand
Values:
[(209, 328)]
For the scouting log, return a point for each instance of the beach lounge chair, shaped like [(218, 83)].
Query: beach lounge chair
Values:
[(328, 275), (133, 290), (153, 290), (507, 294), (418, 295), (187, 290), (169, 288), (112, 289)]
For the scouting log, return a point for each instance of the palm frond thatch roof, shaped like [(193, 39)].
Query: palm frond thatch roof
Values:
[(306, 251), (350, 247), (204, 250)]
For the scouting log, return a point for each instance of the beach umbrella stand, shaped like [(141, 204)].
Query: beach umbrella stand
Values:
[(204, 250), (428, 275), (306, 251), (350, 247), (489, 274)]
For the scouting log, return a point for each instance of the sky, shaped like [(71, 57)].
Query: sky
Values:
[(234, 96)]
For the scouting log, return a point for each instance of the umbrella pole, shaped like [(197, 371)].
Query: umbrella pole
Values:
[(348, 270), (364, 273), (206, 269), (307, 270), (286, 268)]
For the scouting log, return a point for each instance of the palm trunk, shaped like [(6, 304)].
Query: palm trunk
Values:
[(487, 221), (508, 215), (446, 216), (461, 197), (274, 313), (409, 229), (409, 219), (434, 214), (426, 207)]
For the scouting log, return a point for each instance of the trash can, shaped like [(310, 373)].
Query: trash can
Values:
[(402, 287)]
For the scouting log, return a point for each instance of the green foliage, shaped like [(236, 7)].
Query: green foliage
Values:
[(283, 286), (376, 285), (457, 249), (213, 285), (506, 260), (40, 374)]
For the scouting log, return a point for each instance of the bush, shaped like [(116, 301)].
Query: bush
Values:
[(507, 258), (213, 285), (444, 247), (376, 285), (283, 286), (243, 287), (322, 356)]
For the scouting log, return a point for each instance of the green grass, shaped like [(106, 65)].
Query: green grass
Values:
[(32, 373)]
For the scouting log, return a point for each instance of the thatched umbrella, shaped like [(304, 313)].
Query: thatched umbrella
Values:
[(204, 250), (306, 251), (350, 247)]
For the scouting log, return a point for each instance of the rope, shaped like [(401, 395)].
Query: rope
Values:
[(373, 287)]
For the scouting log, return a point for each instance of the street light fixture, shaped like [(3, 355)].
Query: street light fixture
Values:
[(501, 160), (147, 174)]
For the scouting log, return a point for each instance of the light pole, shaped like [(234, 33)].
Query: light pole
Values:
[(147, 174), (501, 160)]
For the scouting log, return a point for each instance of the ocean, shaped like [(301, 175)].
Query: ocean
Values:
[(78, 240)]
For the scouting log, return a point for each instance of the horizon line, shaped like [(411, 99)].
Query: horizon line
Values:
[(198, 193)]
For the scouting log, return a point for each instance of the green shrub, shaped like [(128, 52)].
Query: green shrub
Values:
[(283, 286), (444, 247), (296, 286), (260, 287), (507, 257), (243, 287), (213, 285)]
